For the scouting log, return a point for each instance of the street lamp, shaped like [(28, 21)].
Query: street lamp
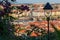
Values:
[(48, 12)]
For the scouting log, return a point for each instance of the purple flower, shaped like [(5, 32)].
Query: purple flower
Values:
[(22, 7), (8, 3), (1, 13), (26, 8)]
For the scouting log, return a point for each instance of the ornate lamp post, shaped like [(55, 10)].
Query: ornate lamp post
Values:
[(48, 12)]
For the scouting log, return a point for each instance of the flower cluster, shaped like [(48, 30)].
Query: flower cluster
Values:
[(22, 7), (4, 7)]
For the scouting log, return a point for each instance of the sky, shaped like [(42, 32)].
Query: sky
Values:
[(36, 1)]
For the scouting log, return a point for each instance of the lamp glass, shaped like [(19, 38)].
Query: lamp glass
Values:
[(48, 13)]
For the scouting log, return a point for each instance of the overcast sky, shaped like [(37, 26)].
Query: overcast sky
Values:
[(37, 1)]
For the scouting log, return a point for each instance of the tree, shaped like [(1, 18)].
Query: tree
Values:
[(6, 29)]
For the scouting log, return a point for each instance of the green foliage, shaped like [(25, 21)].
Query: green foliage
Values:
[(56, 31), (6, 28)]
